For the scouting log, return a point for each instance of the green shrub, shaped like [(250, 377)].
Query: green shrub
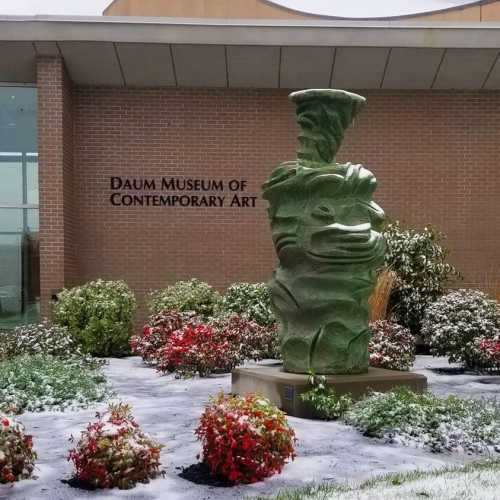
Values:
[(193, 295), (441, 424), (419, 261), (40, 382), (250, 299), (455, 322), (98, 315), (324, 401)]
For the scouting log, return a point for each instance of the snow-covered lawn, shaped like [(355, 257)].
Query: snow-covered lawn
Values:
[(169, 409)]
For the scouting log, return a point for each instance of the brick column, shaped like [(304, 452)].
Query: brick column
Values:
[(55, 156)]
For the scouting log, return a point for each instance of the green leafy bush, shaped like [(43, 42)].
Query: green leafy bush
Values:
[(455, 323), (43, 338), (40, 382), (99, 315), (449, 424), (193, 295), (250, 299), (419, 261), (323, 399)]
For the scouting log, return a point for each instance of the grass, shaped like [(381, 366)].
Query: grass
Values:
[(469, 482)]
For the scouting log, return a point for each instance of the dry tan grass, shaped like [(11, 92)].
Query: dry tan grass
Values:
[(379, 301)]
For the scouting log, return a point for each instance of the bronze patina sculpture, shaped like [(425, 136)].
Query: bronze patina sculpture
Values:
[(325, 230)]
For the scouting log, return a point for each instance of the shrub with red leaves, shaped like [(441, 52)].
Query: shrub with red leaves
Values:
[(113, 452), (245, 439), (17, 458), (486, 352)]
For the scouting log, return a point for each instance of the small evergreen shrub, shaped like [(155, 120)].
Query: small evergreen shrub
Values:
[(454, 323), (245, 440), (17, 458), (486, 352), (391, 346), (113, 452), (193, 295), (43, 338), (250, 299), (41, 382), (420, 262), (323, 399), (449, 424), (99, 315)]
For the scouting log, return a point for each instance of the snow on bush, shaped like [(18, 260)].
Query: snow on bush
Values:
[(441, 424), (245, 439), (250, 299), (113, 452), (99, 315), (40, 382), (487, 352), (17, 458), (193, 295), (391, 346), (454, 324)]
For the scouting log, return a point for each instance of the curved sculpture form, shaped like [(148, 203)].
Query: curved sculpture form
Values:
[(325, 229)]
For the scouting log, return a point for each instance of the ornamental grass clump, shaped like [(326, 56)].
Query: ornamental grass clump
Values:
[(422, 272), (114, 452), (43, 382), (193, 295), (245, 439), (391, 346), (17, 457), (98, 315), (463, 325), (441, 424), (250, 299)]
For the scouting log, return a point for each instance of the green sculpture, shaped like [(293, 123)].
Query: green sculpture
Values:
[(325, 230)]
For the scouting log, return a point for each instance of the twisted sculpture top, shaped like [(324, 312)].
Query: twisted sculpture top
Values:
[(323, 115)]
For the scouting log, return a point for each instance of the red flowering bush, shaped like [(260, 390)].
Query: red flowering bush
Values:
[(114, 452), (17, 458), (392, 346), (156, 333), (245, 439), (486, 352)]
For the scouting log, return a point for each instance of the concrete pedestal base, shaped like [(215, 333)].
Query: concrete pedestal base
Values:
[(283, 389)]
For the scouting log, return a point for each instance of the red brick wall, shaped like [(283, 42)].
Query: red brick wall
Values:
[(434, 155), (55, 156)]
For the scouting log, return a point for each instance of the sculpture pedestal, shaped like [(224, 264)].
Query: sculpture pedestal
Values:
[(283, 389)]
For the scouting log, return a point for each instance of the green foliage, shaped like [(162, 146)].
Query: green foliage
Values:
[(99, 315), (250, 299), (440, 424), (40, 382), (419, 261), (454, 322), (193, 295), (323, 399)]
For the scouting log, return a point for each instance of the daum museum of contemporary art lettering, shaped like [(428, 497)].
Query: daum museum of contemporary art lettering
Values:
[(326, 231), (180, 192)]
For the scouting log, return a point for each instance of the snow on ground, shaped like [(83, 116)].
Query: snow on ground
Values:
[(169, 409)]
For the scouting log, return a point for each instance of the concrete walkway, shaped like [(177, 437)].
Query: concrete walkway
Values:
[(169, 409)]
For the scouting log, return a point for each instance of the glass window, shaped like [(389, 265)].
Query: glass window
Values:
[(19, 237)]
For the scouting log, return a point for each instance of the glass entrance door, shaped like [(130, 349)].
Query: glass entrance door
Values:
[(19, 228)]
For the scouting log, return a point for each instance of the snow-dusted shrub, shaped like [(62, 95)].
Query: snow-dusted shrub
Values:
[(193, 295), (454, 322), (17, 458), (449, 424), (157, 332), (419, 260), (39, 382), (99, 315), (250, 299), (391, 346), (487, 352), (245, 439), (43, 338), (113, 452)]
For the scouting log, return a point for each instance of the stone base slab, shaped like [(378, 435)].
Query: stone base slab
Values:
[(283, 389)]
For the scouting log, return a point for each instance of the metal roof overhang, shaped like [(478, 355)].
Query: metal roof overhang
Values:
[(153, 52)]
